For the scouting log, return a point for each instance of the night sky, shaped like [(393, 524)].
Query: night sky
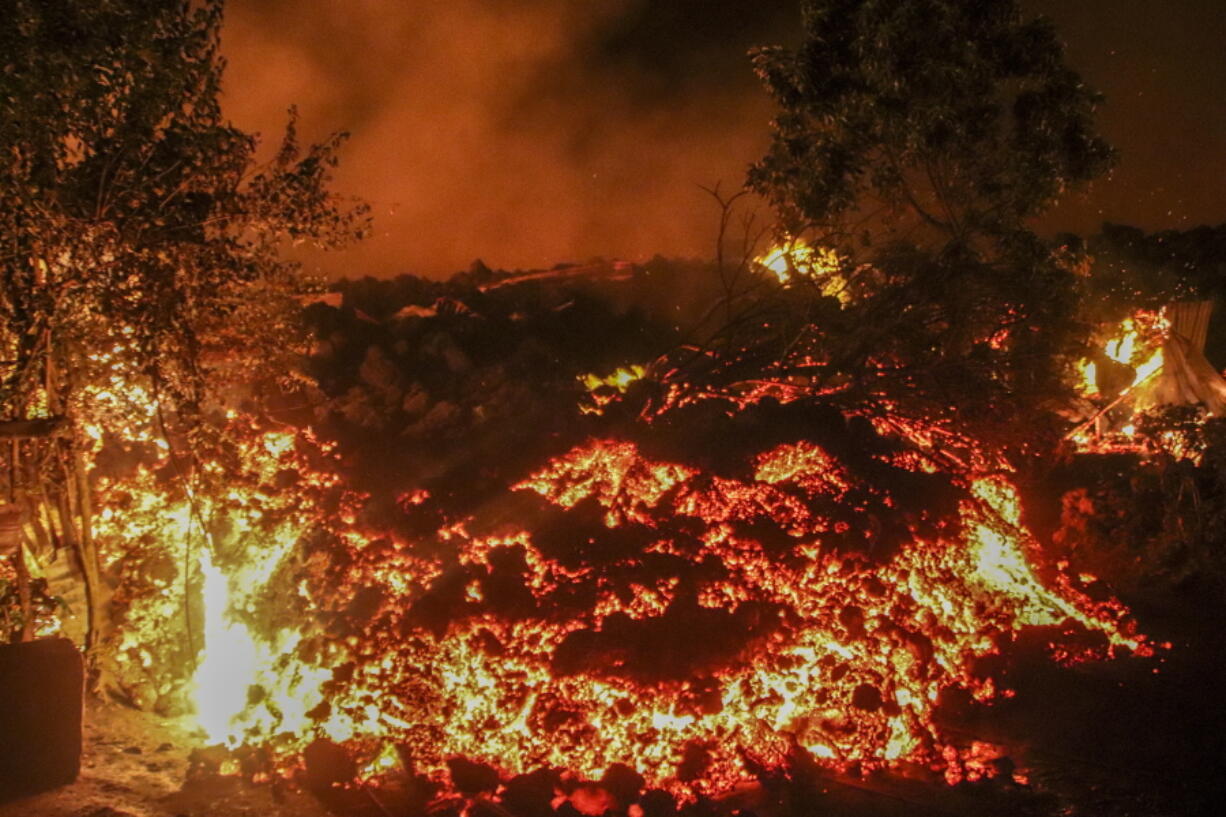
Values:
[(531, 132)]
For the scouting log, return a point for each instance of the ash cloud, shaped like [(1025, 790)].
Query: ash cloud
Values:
[(523, 132)]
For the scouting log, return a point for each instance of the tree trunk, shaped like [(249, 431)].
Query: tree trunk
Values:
[(74, 509), (10, 544), (26, 633), (12, 537), (98, 598)]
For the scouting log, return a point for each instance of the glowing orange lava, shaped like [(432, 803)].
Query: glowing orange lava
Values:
[(690, 625), (832, 652)]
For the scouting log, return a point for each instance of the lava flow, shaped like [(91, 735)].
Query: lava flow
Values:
[(690, 625)]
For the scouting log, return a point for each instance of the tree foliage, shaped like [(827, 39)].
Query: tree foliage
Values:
[(130, 205), (958, 120), (142, 244), (919, 138)]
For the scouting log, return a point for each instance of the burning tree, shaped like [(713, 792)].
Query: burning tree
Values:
[(918, 140), (143, 247)]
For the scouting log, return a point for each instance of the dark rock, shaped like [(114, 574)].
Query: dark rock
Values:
[(41, 687), (327, 764), (623, 782), (867, 697), (852, 619), (206, 761), (479, 272), (416, 402), (695, 760), (441, 414), (444, 347), (658, 803), (472, 778), (379, 372), (365, 603), (531, 795)]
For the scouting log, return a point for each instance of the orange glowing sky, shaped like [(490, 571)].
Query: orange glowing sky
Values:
[(530, 132)]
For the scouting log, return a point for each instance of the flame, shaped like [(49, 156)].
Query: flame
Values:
[(1122, 347), (1136, 343), (604, 390), (229, 661), (247, 684), (620, 379), (1149, 368), (1088, 378), (796, 258), (206, 603)]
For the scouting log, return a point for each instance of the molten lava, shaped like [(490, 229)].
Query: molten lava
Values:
[(611, 608), (729, 634)]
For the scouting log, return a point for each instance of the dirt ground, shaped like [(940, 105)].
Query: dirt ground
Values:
[(139, 765), (135, 764)]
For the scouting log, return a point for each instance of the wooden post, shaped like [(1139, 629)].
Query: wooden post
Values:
[(10, 543)]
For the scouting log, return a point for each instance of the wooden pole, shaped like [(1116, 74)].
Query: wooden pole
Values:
[(39, 427), (10, 541)]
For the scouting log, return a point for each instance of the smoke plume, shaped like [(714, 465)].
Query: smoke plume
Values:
[(523, 132)]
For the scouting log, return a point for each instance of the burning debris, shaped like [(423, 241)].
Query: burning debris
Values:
[(821, 266), (1153, 361)]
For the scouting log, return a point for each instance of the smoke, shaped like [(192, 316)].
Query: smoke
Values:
[(522, 132)]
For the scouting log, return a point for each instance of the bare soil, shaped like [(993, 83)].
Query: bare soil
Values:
[(136, 764)]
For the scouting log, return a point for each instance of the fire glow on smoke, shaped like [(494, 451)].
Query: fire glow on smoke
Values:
[(616, 651)]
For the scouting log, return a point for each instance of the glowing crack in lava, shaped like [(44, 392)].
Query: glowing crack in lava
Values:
[(685, 624)]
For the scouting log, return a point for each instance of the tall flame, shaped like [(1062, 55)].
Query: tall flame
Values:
[(229, 661), (1137, 344)]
